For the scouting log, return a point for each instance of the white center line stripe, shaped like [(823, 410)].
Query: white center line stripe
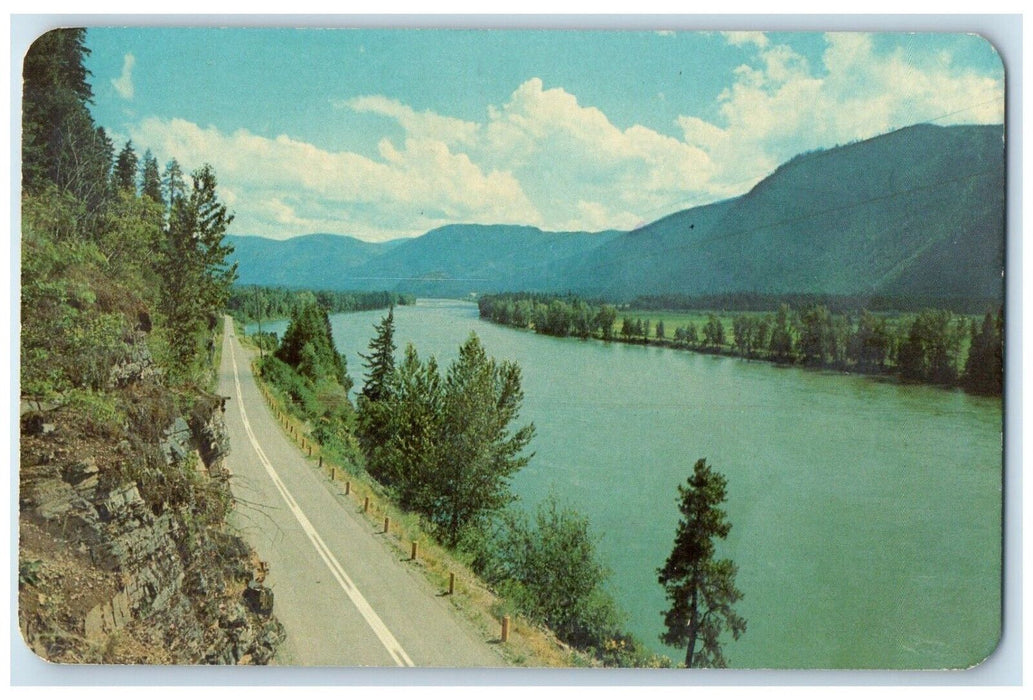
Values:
[(343, 580)]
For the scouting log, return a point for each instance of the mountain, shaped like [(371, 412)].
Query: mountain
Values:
[(457, 259), (916, 212), (312, 261)]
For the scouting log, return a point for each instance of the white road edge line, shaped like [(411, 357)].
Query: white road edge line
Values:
[(345, 582)]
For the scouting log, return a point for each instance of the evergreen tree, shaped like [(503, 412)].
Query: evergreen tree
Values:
[(308, 345), (984, 368), (380, 362), (700, 587), (409, 422), (196, 279), (150, 177), (62, 147), (172, 184), (380, 365), (124, 177)]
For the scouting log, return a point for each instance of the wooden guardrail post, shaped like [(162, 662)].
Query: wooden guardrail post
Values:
[(347, 488), (387, 524), (451, 583), (415, 548), (365, 505), (505, 628)]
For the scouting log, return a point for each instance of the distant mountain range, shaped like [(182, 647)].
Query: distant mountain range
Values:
[(916, 212)]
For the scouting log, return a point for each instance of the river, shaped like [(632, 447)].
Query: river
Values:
[(866, 515)]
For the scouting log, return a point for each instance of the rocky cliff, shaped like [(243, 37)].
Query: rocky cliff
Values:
[(125, 556)]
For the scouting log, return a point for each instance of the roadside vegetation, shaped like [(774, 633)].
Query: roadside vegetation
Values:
[(934, 346), (442, 446)]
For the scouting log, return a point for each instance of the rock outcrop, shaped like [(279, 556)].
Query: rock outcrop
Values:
[(125, 556)]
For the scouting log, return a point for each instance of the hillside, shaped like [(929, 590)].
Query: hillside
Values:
[(919, 211), (916, 212), (454, 260), (309, 261)]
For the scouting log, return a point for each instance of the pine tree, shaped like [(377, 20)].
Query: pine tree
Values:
[(62, 147), (150, 177), (380, 362), (172, 184), (700, 587), (372, 426), (984, 368), (196, 279), (124, 177)]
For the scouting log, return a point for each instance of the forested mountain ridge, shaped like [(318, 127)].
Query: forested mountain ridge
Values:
[(918, 211)]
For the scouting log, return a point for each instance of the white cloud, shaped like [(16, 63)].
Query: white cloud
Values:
[(123, 84), (758, 39), (420, 124), (543, 158), (411, 189), (778, 105)]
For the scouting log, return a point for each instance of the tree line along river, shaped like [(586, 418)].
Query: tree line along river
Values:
[(866, 515)]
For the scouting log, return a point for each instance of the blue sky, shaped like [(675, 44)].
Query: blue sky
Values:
[(385, 133)]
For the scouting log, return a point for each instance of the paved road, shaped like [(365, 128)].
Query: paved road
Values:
[(345, 597)]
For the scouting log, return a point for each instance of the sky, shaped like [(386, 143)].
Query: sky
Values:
[(387, 133)]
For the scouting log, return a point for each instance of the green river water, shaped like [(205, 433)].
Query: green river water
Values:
[(866, 515)]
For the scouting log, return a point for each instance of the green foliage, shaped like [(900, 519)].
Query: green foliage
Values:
[(932, 348), (308, 346), (782, 343), (102, 412), (312, 375), (372, 426), (61, 146), (700, 587), (478, 455), (150, 178), (552, 572), (195, 277), (380, 362), (250, 303), (124, 175), (403, 432), (984, 368), (69, 338), (713, 332), (870, 346), (444, 445)]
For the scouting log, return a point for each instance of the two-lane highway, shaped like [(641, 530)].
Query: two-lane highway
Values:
[(345, 597)]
